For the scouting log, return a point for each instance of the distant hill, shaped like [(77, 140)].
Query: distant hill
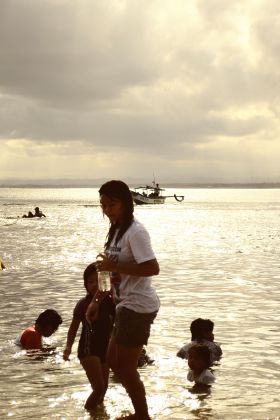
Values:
[(224, 185), (95, 183)]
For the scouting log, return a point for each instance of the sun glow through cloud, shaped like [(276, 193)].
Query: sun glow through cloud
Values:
[(92, 89)]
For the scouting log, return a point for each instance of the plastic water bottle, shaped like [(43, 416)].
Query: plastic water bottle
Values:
[(104, 282)]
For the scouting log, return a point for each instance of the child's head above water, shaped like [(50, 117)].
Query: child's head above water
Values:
[(202, 329), (91, 279), (199, 358), (48, 322)]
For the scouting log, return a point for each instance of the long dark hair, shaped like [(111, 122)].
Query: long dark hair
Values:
[(118, 190)]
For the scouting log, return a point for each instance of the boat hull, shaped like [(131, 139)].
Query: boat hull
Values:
[(141, 199)]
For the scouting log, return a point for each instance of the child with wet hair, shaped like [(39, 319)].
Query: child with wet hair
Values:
[(199, 361), (45, 325), (202, 333)]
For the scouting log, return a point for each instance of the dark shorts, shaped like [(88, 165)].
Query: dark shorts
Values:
[(132, 329)]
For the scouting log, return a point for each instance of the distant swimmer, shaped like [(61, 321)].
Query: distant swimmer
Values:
[(2, 265), (29, 215), (38, 213)]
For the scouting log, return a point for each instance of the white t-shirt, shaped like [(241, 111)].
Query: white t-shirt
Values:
[(206, 377), (133, 292)]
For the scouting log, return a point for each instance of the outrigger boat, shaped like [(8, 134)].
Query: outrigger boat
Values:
[(151, 194)]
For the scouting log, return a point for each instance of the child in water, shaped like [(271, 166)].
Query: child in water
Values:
[(38, 213), (199, 361), (45, 325), (94, 337), (202, 333)]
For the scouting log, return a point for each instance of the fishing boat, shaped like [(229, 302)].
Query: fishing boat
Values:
[(151, 194)]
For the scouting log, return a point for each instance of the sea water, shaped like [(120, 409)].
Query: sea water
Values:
[(219, 258)]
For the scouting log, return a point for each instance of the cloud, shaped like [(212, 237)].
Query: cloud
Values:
[(186, 87), (72, 53)]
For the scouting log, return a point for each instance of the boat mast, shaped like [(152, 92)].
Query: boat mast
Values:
[(154, 180)]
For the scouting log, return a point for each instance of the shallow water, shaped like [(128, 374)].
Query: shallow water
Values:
[(219, 258)]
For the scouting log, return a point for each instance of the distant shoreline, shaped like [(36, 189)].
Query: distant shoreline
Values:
[(257, 185)]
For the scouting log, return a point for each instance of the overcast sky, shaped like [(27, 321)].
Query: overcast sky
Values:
[(186, 89)]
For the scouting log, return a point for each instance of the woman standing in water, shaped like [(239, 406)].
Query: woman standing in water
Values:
[(131, 262)]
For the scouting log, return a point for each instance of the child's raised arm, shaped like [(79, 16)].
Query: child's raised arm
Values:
[(71, 335)]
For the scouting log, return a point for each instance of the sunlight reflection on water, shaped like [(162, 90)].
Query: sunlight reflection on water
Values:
[(218, 252)]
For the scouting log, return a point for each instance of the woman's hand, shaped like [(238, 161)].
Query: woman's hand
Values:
[(103, 263), (145, 269)]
